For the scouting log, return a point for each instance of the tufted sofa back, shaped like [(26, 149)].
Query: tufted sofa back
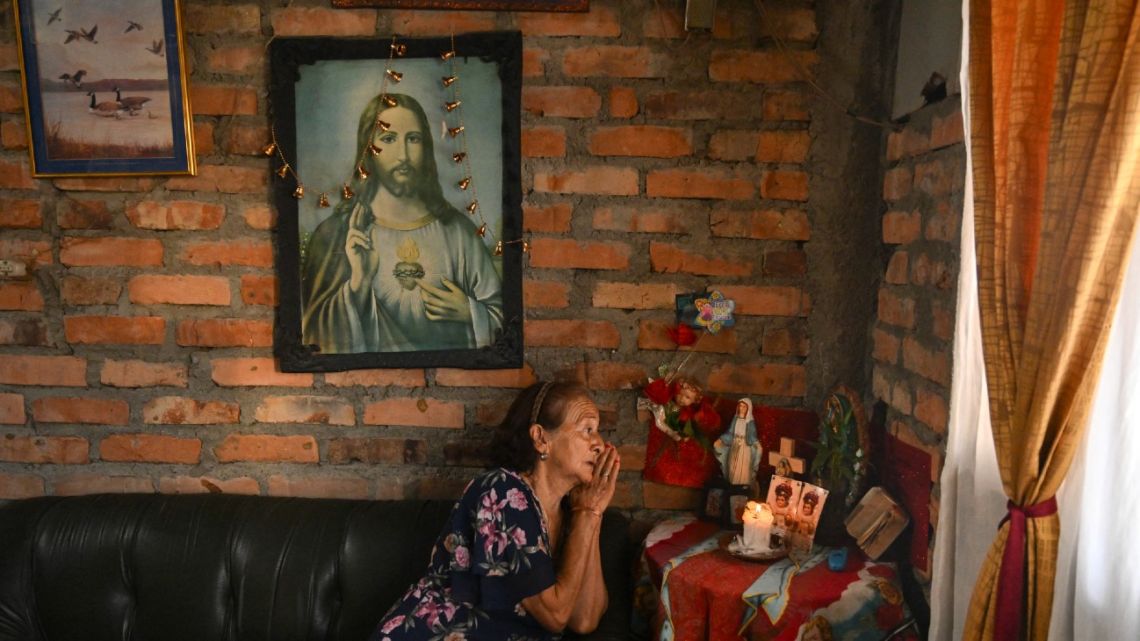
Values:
[(225, 568)]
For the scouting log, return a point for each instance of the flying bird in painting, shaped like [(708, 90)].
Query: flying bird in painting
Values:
[(54, 15), (133, 26), (83, 34), (155, 48), (74, 78)]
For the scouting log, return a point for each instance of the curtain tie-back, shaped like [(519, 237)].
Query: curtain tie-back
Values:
[(1011, 578)]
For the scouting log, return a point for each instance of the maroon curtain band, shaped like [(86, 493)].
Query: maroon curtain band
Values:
[(1011, 577)]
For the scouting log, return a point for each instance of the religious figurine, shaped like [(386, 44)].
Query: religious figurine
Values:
[(738, 449)]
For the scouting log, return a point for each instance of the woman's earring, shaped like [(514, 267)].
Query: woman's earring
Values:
[(543, 455)]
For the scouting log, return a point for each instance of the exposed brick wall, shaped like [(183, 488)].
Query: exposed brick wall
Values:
[(912, 338), (137, 355)]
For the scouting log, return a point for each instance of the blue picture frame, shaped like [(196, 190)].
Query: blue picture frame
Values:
[(105, 89)]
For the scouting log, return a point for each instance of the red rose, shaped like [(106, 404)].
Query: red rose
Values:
[(707, 417), (685, 414), (682, 335), (658, 391)]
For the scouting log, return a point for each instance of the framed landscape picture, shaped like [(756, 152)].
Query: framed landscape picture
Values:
[(104, 87), (479, 5), (397, 185)]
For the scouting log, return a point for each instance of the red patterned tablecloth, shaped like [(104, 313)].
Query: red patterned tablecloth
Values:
[(693, 590)]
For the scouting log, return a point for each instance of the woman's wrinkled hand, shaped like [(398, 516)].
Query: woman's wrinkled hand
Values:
[(595, 496)]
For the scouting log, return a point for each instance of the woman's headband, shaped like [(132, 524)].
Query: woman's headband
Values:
[(538, 402)]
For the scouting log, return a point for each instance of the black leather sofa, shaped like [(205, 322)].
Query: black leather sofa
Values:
[(233, 568)]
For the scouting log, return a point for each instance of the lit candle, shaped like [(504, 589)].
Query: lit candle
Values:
[(757, 520)]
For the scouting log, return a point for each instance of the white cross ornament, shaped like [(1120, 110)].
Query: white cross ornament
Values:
[(785, 460)]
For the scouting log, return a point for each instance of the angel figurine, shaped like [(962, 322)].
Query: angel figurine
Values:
[(738, 449)]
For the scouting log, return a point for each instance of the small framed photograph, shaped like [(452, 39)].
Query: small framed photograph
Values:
[(397, 184), (712, 504), (105, 87)]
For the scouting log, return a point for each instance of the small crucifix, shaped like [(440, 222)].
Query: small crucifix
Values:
[(785, 460)]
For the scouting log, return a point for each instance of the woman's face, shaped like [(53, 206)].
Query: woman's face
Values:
[(742, 409), (576, 444)]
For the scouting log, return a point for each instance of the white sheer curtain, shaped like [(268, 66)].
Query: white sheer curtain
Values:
[(1098, 567)]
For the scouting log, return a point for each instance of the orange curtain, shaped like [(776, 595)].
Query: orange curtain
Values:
[(1054, 99)]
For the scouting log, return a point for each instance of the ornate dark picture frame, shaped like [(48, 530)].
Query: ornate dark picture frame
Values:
[(326, 94), (481, 5)]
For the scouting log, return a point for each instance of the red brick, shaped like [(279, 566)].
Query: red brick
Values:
[(545, 293), (928, 363), (512, 378), (784, 185), (9, 59), (20, 486), (105, 184), (321, 21), (886, 347), (932, 409), (906, 143), (13, 133), (55, 371), (78, 290), (653, 221), (19, 213), (158, 289), (795, 24), (224, 332), (240, 18), (12, 409), (223, 100), (901, 227), (248, 253), (11, 100), (653, 335), (571, 333), (58, 450), (943, 224), (150, 448), (561, 102), (319, 487), (662, 22), (203, 139), (80, 484), (16, 175), (138, 373), (34, 253), (928, 272), (698, 105), (413, 412), (567, 253), (764, 224), (696, 183), (267, 449), (543, 142), (222, 178), (786, 105), (241, 372), (85, 214), (769, 379), (392, 451), (534, 62), (771, 300), (259, 217), (901, 397), (632, 457), (607, 375), (655, 496), (377, 378), (238, 60), (733, 145), (108, 330), (783, 146), (179, 410), (176, 214), (623, 102), (733, 22), (614, 61), (325, 410), (942, 320), (245, 141), (898, 268), (27, 332), (896, 183), (782, 263), (785, 341), (81, 410), (947, 130), (761, 67), (599, 22), (896, 310), (635, 296), (669, 258), (602, 180), (258, 290), (208, 485), (552, 218), (21, 296), (108, 252), (648, 141), (433, 23), (940, 177)]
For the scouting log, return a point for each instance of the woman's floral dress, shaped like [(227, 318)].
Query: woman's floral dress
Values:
[(493, 553)]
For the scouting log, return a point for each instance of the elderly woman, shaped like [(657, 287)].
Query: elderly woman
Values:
[(518, 558)]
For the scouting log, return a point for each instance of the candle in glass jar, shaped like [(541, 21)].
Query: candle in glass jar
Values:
[(757, 519)]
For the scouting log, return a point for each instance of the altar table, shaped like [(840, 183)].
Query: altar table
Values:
[(690, 589)]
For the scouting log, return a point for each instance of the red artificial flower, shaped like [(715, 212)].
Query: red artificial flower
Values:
[(658, 391), (682, 335), (707, 417), (685, 414)]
